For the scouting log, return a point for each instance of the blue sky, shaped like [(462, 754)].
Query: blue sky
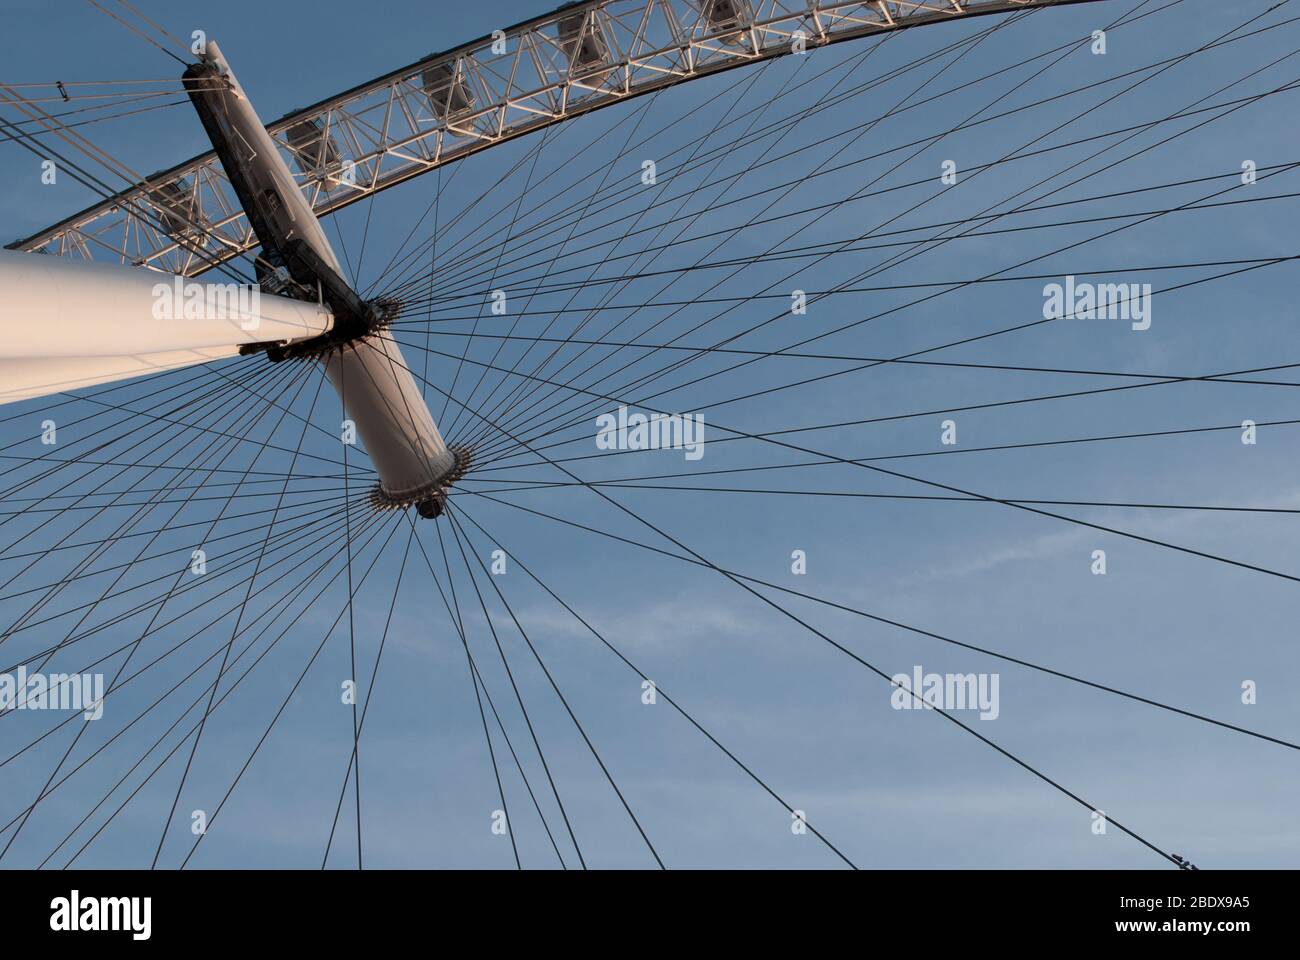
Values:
[(890, 788)]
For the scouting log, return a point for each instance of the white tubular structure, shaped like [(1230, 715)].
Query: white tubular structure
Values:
[(66, 325), (369, 372), (392, 419)]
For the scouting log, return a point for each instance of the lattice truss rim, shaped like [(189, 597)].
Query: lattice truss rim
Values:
[(186, 219)]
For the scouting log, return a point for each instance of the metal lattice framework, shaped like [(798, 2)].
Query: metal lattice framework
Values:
[(579, 58)]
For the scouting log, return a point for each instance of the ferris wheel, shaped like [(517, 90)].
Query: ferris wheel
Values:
[(761, 429)]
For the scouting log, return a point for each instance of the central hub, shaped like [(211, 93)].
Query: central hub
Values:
[(377, 389), (378, 315)]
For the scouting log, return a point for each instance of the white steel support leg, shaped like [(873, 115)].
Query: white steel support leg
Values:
[(66, 325)]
